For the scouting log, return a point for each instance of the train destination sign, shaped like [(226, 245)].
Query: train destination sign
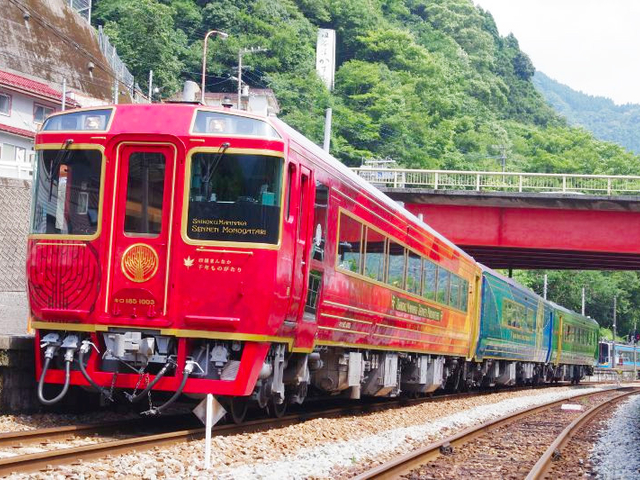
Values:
[(415, 308), (235, 198)]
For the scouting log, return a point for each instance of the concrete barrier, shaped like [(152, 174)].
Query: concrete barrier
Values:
[(17, 374)]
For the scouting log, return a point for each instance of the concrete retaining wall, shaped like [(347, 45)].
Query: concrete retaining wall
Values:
[(15, 198), (17, 374)]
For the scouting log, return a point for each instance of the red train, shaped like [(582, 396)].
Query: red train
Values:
[(192, 250)]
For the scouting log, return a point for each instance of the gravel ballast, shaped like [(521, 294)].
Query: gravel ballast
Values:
[(320, 448), (615, 454)]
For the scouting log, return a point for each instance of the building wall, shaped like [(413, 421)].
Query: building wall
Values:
[(14, 211), (14, 164), (22, 110)]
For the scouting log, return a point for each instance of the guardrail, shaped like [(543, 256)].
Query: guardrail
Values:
[(502, 181)]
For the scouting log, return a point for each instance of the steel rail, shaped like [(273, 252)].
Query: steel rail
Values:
[(53, 434), (544, 464), (406, 463)]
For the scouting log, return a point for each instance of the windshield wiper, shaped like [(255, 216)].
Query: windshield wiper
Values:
[(61, 157), (212, 167)]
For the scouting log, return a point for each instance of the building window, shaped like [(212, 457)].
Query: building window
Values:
[(13, 153), (5, 104), (40, 113)]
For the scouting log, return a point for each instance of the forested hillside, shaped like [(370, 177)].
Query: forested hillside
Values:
[(429, 83), (599, 115)]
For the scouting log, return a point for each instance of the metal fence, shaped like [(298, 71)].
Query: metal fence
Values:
[(83, 7), (502, 181), (119, 68)]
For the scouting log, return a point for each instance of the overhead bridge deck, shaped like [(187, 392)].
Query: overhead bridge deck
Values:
[(526, 221)]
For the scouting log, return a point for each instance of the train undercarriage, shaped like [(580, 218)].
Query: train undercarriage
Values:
[(284, 378)]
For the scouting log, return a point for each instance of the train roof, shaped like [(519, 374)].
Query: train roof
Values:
[(181, 117), (576, 314), (363, 184), (510, 281), (515, 284)]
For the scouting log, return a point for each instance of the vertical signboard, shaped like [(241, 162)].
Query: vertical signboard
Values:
[(326, 56)]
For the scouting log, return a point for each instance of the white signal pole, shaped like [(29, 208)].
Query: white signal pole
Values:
[(615, 301), (327, 130), (544, 288), (150, 85)]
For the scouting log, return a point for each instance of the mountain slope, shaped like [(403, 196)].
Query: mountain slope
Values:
[(430, 83), (599, 115)]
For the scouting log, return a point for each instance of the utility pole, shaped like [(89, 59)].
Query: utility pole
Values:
[(583, 290), (222, 35), (115, 91), (150, 86), (503, 157), (64, 94), (241, 52), (544, 288)]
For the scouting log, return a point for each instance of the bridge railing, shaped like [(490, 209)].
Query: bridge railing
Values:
[(502, 181)]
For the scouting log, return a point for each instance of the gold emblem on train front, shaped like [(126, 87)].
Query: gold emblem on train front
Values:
[(139, 262)]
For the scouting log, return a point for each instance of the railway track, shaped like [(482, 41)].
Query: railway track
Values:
[(166, 432), (538, 433)]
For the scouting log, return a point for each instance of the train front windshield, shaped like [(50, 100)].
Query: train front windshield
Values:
[(66, 196), (235, 198)]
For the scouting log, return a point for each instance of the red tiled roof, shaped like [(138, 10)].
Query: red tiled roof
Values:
[(27, 85), (17, 131)]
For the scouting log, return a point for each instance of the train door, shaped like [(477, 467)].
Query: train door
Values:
[(140, 236), (300, 268), (560, 337)]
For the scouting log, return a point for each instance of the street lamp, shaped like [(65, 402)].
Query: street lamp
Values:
[(204, 54)]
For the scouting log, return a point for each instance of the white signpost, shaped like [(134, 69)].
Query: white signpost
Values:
[(210, 412), (326, 56)]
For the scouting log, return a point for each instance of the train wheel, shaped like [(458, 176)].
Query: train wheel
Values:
[(238, 407), (277, 410)]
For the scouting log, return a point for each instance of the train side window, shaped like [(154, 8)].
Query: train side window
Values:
[(290, 176), (145, 193), (374, 255), (464, 291), (320, 209), (454, 291), (443, 286), (395, 271), (430, 283), (350, 244), (414, 272), (531, 319)]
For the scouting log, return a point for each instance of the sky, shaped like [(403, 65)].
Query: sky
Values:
[(592, 46)]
